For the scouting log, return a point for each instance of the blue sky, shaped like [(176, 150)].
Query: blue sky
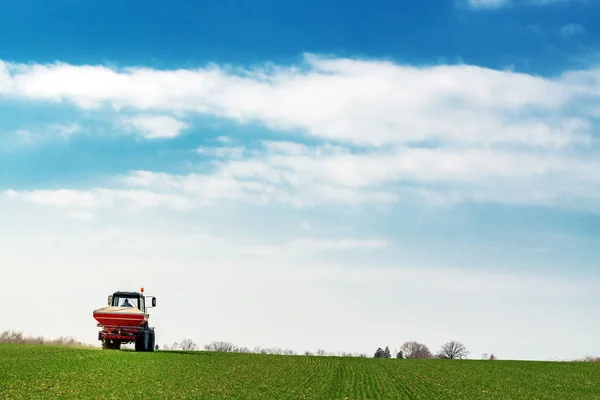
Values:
[(297, 158), (193, 33)]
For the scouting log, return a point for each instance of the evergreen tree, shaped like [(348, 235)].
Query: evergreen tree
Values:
[(386, 353)]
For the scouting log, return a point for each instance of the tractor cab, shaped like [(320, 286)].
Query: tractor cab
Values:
[(130, 299)]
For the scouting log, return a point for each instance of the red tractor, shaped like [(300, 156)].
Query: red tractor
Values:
[(125, 320)]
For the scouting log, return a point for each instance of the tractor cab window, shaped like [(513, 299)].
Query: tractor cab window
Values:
[(126, 302)]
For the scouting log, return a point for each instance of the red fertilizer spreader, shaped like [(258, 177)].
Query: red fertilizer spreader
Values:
[(125, 320)]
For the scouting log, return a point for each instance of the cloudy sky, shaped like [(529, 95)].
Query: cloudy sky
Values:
[(336, 175)]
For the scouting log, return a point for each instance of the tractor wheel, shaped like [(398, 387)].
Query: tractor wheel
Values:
[(142, 341), (151, 341), (139, 342)]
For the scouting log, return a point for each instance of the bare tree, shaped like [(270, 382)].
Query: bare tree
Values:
[(588, 359), (242, 350), (346, 354), (188, 345), (222, 347), (414, 349), (274, 350), (453, 350)]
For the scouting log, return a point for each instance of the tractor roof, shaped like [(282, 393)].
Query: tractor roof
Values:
[(127, 294)]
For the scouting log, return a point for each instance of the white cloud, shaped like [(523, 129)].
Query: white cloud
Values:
[(82, 202), (384, 132), (38, 135), (25, 136), (362, 102), (289, 148), (62, 198), (497, 4), (66, 131), (572, 30), (155, 126), (225, 140), (222, 152), (299, 175), (491, 4)]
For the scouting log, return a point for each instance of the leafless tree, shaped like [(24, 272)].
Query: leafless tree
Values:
[(275, 350), (242, 350), (414, 349), (321, 352), (188, 345), (221, 347), (588, 359), (453, 350)]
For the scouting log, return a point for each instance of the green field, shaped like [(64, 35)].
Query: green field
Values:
[(40, 372)]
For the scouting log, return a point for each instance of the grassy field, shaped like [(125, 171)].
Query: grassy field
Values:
[(41, 372)]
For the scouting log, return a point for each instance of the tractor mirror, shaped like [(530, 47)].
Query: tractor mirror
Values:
[(154, 302), (110, 300)]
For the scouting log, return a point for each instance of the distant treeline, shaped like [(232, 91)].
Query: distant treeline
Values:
[(14, 337), (227, 347), (412, 349), (408, 350), (451, 350)]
